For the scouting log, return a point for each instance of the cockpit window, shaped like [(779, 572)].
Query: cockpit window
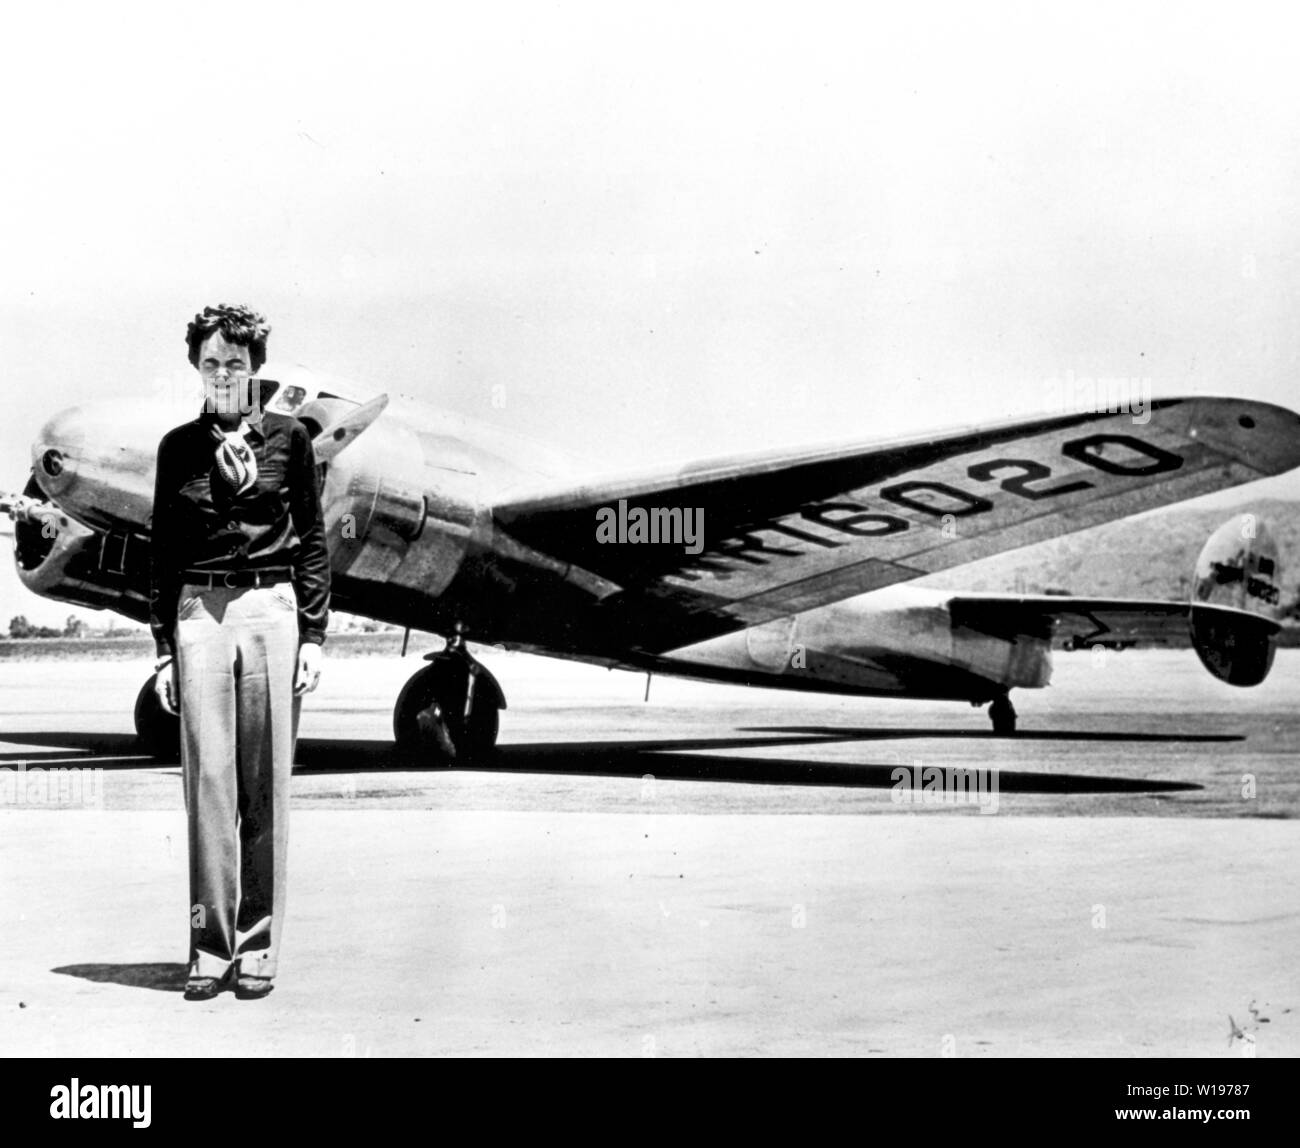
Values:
[(266, 388), (289, 399)]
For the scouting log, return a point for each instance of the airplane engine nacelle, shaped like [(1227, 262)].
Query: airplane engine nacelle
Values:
[(1238, 568), (57, 557), (390, 519)]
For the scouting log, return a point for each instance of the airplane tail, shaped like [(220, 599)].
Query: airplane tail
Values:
[(1236, 595)]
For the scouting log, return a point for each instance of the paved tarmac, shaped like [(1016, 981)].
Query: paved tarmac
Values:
[(719, 871)]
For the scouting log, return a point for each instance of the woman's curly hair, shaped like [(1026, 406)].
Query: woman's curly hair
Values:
[(238, 324)]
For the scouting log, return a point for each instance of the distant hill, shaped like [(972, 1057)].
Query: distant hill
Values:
[(1149, 556)]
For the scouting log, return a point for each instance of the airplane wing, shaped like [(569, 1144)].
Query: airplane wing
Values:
[(1081, 622), (787, 532)]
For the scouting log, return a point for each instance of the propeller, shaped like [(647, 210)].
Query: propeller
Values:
[(339, 434), (24, 508)]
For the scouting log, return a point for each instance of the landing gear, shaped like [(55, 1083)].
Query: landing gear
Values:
[(1003, 716), (157, 732), (449, 711)]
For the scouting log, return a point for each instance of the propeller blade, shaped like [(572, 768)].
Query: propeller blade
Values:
[(338, 435)]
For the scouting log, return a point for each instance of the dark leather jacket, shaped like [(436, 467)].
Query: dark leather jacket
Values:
[(199, 523)]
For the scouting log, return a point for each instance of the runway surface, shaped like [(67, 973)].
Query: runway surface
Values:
[(719, 871)]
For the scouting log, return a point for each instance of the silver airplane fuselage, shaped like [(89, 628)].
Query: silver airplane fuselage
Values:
[(413, 542)]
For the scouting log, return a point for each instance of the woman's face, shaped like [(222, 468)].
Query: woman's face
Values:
[(228, 382)]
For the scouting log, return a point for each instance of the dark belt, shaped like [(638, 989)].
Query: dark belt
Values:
[(232, 579)]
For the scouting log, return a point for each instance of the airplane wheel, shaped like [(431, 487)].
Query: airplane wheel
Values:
[(481, 732), (428, 721), (1003, 715), (157, 732)]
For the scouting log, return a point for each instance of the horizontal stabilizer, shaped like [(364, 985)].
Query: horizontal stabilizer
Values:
[(1081, 622)]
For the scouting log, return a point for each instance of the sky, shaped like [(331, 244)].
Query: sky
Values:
[(652, 232)]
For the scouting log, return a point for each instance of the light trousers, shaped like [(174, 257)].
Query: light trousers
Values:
[(237, 655)]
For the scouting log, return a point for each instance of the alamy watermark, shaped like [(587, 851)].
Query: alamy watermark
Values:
[(672, 525), (35, 786), (237, 394), (918, 784), (1101, 394), (77, 1101)]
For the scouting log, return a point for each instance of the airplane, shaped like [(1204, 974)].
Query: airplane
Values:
[(784, 569)]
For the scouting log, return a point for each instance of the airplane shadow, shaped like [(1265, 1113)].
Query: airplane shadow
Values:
[(108, 750), (668, 762), (876, 733), (163, 977), (666, 758), (673, 759)]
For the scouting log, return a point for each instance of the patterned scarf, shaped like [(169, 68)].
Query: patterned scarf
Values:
[(236, 462)]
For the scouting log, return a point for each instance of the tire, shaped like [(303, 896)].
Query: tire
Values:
[(480, 732), (473, 738), (157, 732)]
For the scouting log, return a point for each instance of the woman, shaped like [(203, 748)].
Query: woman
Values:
[(240, 596)]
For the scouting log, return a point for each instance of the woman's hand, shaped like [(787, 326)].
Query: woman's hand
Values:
[(167, 685), (309, 663)]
